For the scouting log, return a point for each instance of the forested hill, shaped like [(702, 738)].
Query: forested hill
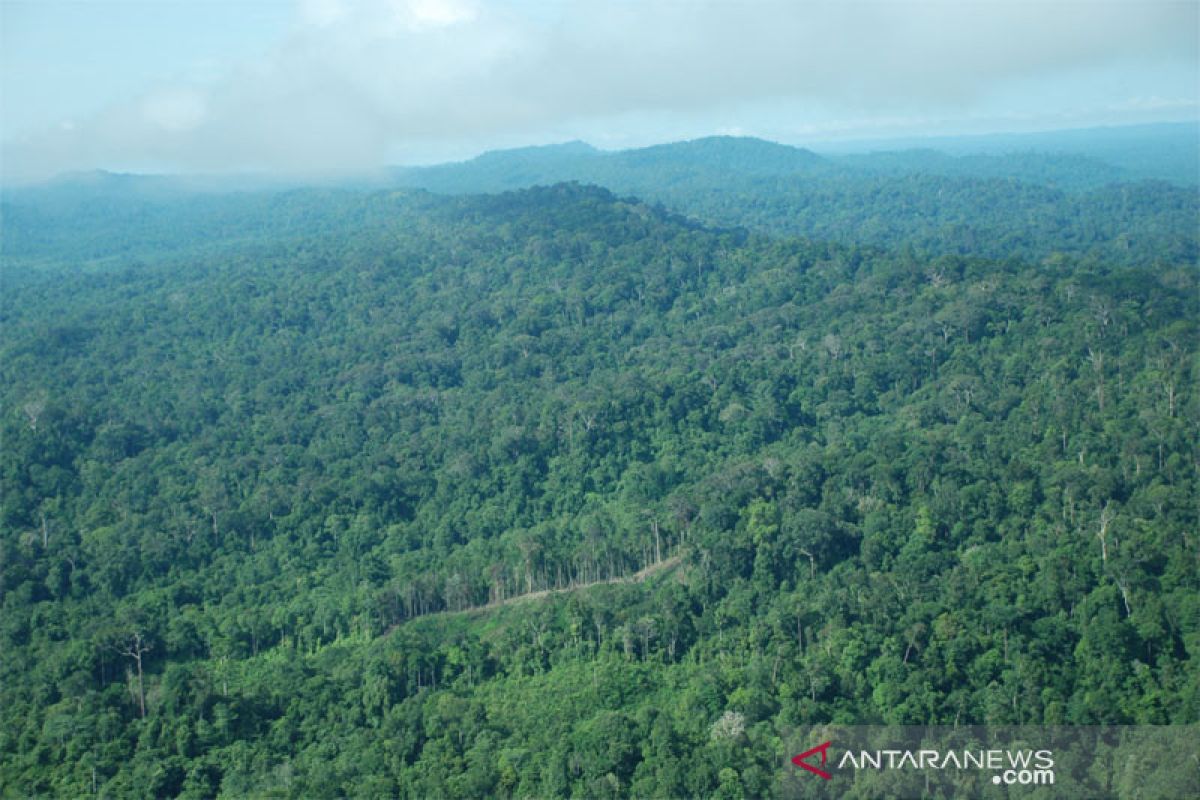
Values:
[(240, 480), (1025, 205), (118, 219), (1029, 205)]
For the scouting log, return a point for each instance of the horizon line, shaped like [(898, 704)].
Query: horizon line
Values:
[(903, 143)]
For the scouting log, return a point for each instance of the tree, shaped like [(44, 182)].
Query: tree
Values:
[(134, 646)]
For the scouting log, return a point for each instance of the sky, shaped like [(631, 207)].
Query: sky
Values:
[(342, 86)]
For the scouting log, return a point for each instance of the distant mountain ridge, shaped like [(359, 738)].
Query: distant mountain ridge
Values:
[(501, 170), (1072, 159), (744, 154), (1164, 151), (1027, 205)]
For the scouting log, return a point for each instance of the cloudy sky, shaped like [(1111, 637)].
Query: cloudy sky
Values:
[(336, 85)]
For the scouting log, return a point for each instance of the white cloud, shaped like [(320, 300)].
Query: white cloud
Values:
[(175, 110), (435, 13), (355, 82), (322, 13)]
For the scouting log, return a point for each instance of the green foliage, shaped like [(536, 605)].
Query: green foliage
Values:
[(1031, 205), (364, 502)]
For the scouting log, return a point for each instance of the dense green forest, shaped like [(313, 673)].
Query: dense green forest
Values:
[(1027, 205), (558, 493), (1017, 205)]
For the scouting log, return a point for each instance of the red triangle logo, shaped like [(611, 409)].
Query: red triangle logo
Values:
[(799, 760)]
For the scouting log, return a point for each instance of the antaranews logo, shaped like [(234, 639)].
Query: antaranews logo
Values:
[(831, 760), (1024, 767)]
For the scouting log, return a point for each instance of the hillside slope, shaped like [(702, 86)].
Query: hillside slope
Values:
[(1031, 206), (906, 490), (1024, 205)]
